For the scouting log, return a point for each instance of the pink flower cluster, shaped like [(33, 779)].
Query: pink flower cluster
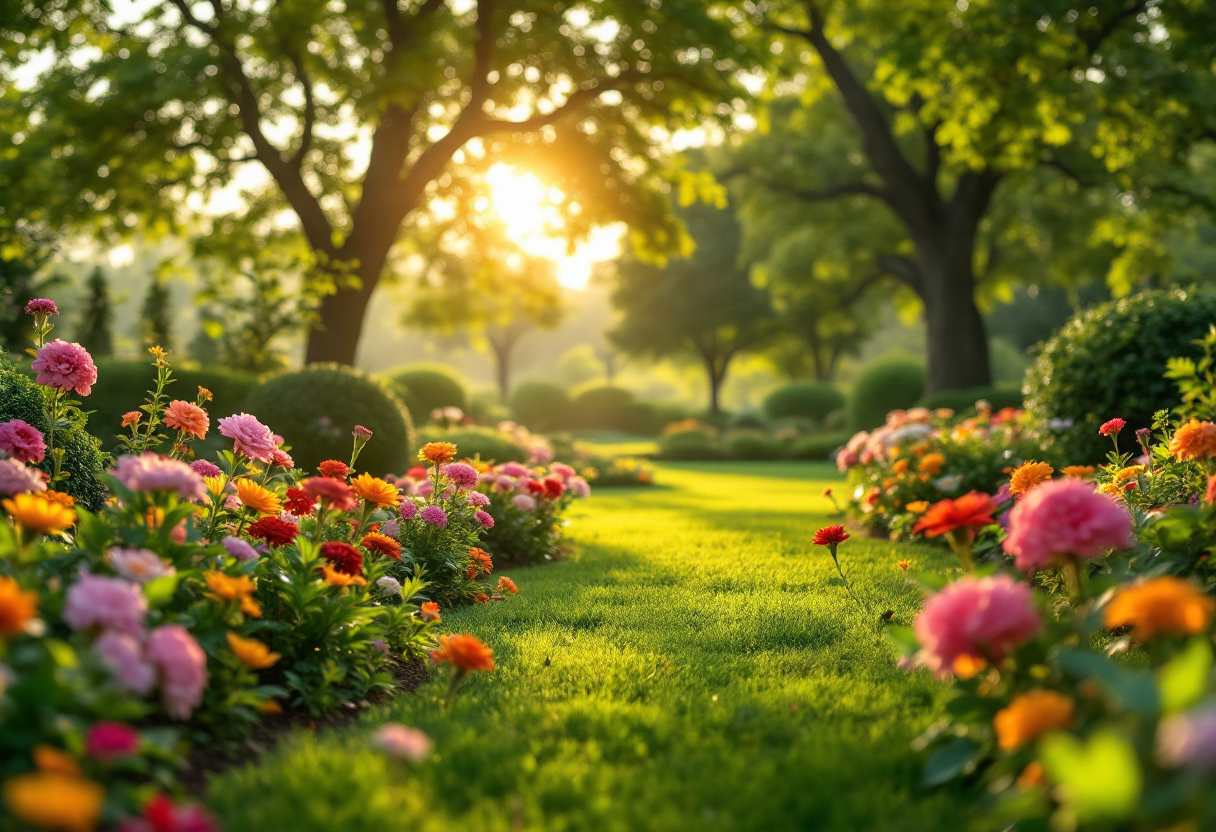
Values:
[(249, 436), (106, 603), (464, 476), (65, 366), (975, 618), (152, 472), (16, 478), (1062, 518), (434, 516), (22, 441)]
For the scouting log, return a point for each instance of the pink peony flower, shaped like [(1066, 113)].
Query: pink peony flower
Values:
[(206, 469), (560, 469), (514, 469), (484, 518), (975, 618), (65, 366), (504, 485), (523, 502), (123, 655), (1189, 738), (408, 509), (434, 515), (249, 436), (16, 478), (22, 441), (41, 306), (239, 549), (476, 499), (106, 603), (423, 489), (402, 742), (152, 472), (188, 418), (464, 476), (138, 565), (1065, 517), (579, 487), (183, 668), (109, 741)]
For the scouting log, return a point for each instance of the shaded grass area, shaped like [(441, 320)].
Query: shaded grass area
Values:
[(696, 665)]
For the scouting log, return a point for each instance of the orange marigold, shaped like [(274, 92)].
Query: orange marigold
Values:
[(900, 466), (437, 453), (1161, 606), (38, 514), (227, 588), (381, 544), (375, 490), (51, 800), (482, 558), (931, 464), (918, 506), (257, 497), (464, 652), (1030, 715), (1028, 475), (334, 469), (1194, 440), (1078, 472), (17, 607), (252, 652)]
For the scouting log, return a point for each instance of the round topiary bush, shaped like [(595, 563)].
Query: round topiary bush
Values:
[(690, 445), (21, 398), (315, 409), (1110, 361), (804, 399), (882, 387), (541, 405), (424, 388), (602, 407), (751, 446), (485, 443)]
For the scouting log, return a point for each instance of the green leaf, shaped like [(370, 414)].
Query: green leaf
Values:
[(1184, 680), (160, 590), (1098, 779), (958, 757), (1133, 690)]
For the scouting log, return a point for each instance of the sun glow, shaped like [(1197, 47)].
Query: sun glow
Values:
[(532, 214)]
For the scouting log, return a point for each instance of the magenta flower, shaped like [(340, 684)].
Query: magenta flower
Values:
[(123, 655), (282, 459), (981, 619), (206, 469), (41, 306), (402, 742), (484, 518), (105, 603), (434, 515), (523, 502), (22, 441), (239, 549), (183, 668), (65, 366), (249, 436), (1065, 517), (476, 499), (360, 432), (16, 478), (408, 509), (153, 472), (109, 741), (464, 476)]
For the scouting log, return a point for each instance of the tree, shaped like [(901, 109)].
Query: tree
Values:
[(179, 101), (24, 256), (702, 305), (96, 330), (156, 315), (950, 102)]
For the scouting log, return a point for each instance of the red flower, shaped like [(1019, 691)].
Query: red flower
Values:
[(471, 572), (343, 556), (299, 504), (334, 493), (416, 473), (1113, 426), (830, 536), (553, 487), (969, 511), (274, 531), (537, 488), (334, 468)]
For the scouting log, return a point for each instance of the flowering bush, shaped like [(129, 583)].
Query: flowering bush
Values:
[(527, 504)]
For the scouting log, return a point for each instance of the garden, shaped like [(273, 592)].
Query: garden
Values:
[(484, 415)]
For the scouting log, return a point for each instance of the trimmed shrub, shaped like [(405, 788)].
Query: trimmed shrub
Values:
[(1110, 361), (541, 405), (804, 399), (601, 407), (882, 387), (689, 445), (749, 420), (488, 444), (753, 445), (83, 460), (426, 387), (819, 446), (315, 408), (962, 401)]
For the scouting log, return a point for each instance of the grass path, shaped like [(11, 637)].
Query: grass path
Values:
[(695, 666)]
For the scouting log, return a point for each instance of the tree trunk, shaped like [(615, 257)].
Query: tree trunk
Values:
[(336, 336), (954, 330), (502, 369)]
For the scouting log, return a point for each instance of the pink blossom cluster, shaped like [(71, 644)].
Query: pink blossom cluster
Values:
[(16, 478), (65, 366)]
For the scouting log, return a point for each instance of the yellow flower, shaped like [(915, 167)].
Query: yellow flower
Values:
[(1078, 472), (36, 513), (375, 490), (335, 578), (1161, 606), (262, 500), (252, 652), (1128, 473), (1194, 440), (1028, 475), (931, 464), (17, 607), (1030, 715), (918, 506), (54, 801), (227, 588), (437, 453), (215, 485)]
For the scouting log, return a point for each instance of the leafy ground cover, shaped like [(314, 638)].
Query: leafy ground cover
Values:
[(696, 664)]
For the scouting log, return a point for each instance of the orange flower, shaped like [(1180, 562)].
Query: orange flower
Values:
[(54, 801), (131, 417), (505, 584), (17, 607), (900, 466), (340, 579), (904, 564), (252, 652), (437, 453), (1028, 475), (1029, 716), (334, 469), (254, 496), (227, 588), (66, 500), (481, 598), (430, 611), (1161, 606), (204, 395), (376, 490), (1031, 776), (969, 511), (1078, 472), (38, 514), (382, 544), (482, 558), (1128, 473), (187, 417), (931, 464), (51, 760), (464, 652), (1194, 440), (918, 506)]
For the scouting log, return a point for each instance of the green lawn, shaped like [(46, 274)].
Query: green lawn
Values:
[(696, 665)]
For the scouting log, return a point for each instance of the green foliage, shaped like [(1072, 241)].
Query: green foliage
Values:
[(963, 401), (21, 398), (818, 446), (753, 445), (314, 409), (806, 399), (96, 330), (156, 315), (607, 407), (474, 442), (1111, 361), (425, 387), (882, 387), (1196, 380), (541, 405)]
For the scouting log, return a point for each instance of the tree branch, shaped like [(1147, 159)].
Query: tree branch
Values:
[(1098, 37), (902, 268), (310, 109), (573, 101), (483, 56)]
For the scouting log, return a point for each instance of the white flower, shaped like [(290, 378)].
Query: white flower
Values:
[(389, 586)]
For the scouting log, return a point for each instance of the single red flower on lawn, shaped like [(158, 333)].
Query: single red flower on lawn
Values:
[(970, 511), (274, 531), (343, 557), (830, 535), (1113, 426)]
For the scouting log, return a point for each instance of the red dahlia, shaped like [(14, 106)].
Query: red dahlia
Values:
[(537, 488), (299, 504), (553, 487), (343, 557), (274, 531), (334, 468), (831, 536)]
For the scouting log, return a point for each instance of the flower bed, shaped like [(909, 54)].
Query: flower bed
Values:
[(204, 595)]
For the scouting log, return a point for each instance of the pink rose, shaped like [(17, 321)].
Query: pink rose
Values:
[(153, 472), (249, 436), (123, 655), (16, 478)]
